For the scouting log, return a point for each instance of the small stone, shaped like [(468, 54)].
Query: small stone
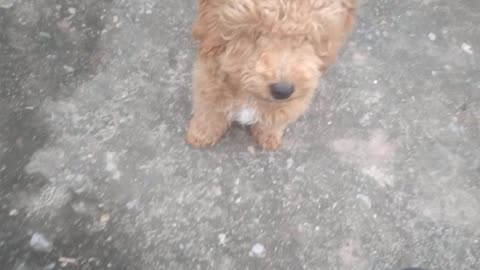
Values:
[(104, 218), (149, 11), (222, 238), (132, 204), (40, 243), (6, 4), (467, 48), (365, 199), (258, 250), (115, 19), (68, 69), (375, 82), (72, 10), (50, 266), (251, 150), (13, 213), (80, 208), (300, 169), (21, 266), (44, 35), (432, 36), (80, 184), (67, 261), (289, 163)]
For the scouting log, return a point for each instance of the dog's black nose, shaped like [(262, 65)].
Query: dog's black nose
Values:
[(281, 90)]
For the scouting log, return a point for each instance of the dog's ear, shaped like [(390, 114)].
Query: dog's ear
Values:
[(332, 25), (205, 28)]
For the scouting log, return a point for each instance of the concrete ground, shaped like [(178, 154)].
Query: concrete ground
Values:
[(382, 173)]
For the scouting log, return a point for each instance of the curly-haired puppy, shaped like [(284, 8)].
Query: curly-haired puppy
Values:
[(259, 62)]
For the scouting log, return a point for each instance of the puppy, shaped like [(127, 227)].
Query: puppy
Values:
[(259, 62)]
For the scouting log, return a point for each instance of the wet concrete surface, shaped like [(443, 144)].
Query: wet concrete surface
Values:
[(382, 173)]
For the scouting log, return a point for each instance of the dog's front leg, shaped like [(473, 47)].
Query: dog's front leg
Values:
[(206, 127), (209, 121), (268, 132), (268, 137)]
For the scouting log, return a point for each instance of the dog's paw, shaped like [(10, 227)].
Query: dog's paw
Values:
[(267, 140), (270, 142), (202, 133), (200, 140)]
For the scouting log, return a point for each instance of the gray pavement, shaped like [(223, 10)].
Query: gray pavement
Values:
[(382, 173)]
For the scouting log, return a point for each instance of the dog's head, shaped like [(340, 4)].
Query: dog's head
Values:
[(275, 50)]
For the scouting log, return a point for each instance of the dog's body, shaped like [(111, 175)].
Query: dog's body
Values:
[(259, 63)]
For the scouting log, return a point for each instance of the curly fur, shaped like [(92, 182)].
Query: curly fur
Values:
[(247, 45)]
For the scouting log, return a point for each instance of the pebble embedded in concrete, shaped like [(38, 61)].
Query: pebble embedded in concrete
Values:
[(258, 250), (13, 213), (68, 69), (467, 48), (49, 266), (6, 4), (72, 10), (40, 243), (222, 239), (21, 266), (365, 199)]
